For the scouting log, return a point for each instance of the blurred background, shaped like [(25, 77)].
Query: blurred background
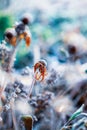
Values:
[(50, 22)]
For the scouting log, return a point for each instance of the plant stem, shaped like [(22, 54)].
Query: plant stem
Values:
[(13, 116), (31, 88)]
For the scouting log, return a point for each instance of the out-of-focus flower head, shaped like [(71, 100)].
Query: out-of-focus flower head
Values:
[(18, 32)]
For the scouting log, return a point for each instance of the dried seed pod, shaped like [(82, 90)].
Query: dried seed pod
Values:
[(23, 33), (40, 70), (10, 36), (72, 49), (27, 19), (19, 32)]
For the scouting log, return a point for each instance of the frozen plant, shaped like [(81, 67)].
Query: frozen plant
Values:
[(76, 121), (8, 49)]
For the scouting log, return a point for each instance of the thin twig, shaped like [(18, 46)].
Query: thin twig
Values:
[(13, 116), (32, 85)]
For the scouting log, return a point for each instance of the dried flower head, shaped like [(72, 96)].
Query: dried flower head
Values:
[(17, 33), (27, 19), (40, 70), (11, 36), (23, 32)]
